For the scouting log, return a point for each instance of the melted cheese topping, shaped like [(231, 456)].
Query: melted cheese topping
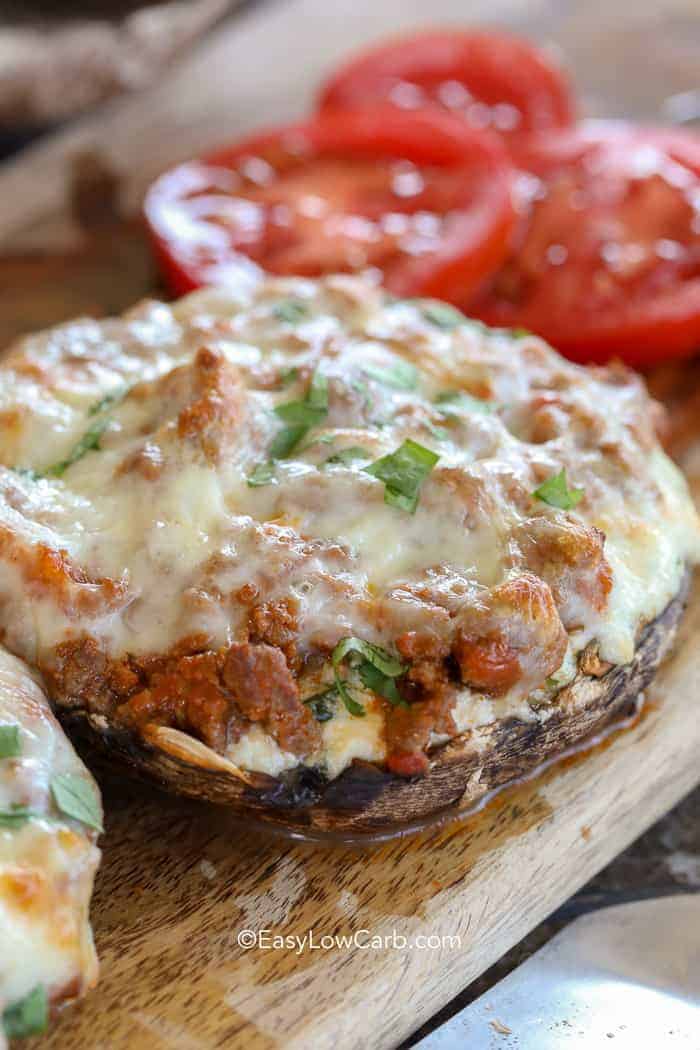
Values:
[(47, 863), (162, 534)]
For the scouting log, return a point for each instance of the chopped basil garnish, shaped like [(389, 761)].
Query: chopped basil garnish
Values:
[(10, 746), (450, 401), (443, 316), (318, 439), (29, 1016), (107, 401), (401, 375), (291, 311), (556, 492), (286, 441), (263, 474), (320, 704), (351, 704), (374, 654), (317, 396), (403, 472), (376, 668), (90, 441), (76, 798), (380, 683), (300, 416), (301, 413), (288, 376), (348, 455), (15, 817)]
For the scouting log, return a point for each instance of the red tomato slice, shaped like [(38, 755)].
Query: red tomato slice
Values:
[(492, 79), (421, 197), (607, 259)]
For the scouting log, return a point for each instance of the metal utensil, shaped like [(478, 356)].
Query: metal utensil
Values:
[(626, 977)]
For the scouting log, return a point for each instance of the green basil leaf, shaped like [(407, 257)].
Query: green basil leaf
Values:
[(263, 474), (401, 375), (29, 1016), (108, 400), (379, 683), (376, 669), (403, 472), (15, 817), (300, 413), (77, 798), (288, 376), (300, 416), (556, 492), (389, 665), (321, 704), (348, 455), (355, 709), (394, 498), (89, 442), (10, 745), (286, 440), (443, 316), (290, 311), (317, 396), (318, 439), (451, 400)]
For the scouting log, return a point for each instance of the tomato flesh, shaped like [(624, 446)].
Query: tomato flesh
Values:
[(607, 258), (417, 197), (491, 80)]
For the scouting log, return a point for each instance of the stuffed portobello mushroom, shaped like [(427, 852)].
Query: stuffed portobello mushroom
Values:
[(334, 559), (50, 818)]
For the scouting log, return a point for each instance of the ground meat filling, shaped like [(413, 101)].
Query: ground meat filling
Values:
[(512, 638), (263, 688), (508, 638), (431, 697), (215, 696)]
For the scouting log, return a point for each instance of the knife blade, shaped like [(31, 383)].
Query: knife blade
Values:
[(627, 977)]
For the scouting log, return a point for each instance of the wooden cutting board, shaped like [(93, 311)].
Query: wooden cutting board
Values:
[(180, 882)]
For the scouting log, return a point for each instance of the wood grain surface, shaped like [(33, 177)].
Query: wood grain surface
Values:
[(180, 881)]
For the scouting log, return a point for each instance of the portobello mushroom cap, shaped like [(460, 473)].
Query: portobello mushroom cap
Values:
[(366, 800)]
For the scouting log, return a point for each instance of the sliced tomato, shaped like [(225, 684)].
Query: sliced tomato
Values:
[(607, 259), (420, 197), (491, 80)]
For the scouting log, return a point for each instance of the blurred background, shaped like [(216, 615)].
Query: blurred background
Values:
[(59, 59), (97, 98)]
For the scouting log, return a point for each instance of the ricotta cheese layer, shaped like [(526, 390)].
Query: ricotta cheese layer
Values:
[(200, 502)]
